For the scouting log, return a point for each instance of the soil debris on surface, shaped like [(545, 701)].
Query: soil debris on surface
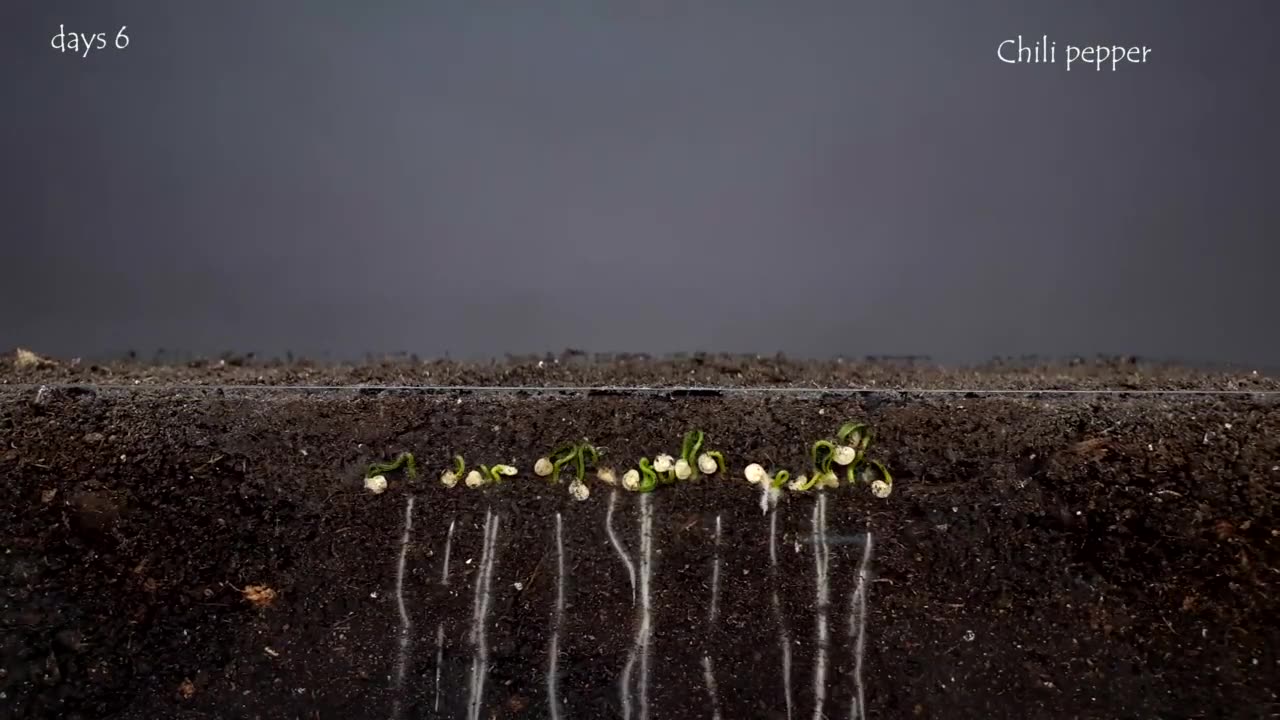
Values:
[(572, 368), (1040, 556)]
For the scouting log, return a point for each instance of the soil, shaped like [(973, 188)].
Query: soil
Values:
[(573, 369), (1041, 556)]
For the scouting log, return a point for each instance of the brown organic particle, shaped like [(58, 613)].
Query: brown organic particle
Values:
[(260, 596)]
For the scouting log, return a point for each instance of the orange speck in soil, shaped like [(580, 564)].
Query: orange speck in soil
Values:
[(260, 596)]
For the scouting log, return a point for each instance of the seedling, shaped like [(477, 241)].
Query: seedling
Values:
[(403, 460), (757, 475), (849, 449), (487, 475), (578, 455), (449, 478), (693, 462), (882, 486), (643, 480), (375, 477), (854, 439), (823, 454)]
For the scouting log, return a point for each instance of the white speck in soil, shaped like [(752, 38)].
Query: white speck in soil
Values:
[(518, 586), (373, 595), (969, 636)]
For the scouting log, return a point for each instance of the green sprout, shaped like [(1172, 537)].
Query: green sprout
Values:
[(643, 480), (693, 462), (579, 455), (403, 460), (884, 485), (854, 439), (450, 477), (496, 473)]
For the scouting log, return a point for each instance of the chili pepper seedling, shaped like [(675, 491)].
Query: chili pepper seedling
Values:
[(450, 478), (580, 455), (643, 480), (693, 461), (375, 478)]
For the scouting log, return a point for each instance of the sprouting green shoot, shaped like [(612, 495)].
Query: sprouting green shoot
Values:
[(719, 458), (490, 474), (884, 471), (403, 460), (692, 444), (648, 476), (856, 435), (459, 466), (809, 482), (586, 453), (823, 453), (780, 479), (562, 456), (578, 454), (691, 452)]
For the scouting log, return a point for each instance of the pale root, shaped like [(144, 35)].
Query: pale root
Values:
[(376, 484), (543, 467), (707, 464), (683, 470), (755, 474), (845, 455), (663, 463), (579, 490)]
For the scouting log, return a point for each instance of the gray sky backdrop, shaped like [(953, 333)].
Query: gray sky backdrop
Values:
[(818, 178)]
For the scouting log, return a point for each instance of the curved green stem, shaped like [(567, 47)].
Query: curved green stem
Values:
[(780, 479), (403, 460), (827, 450), (852, 473), (562, 456), (884, 472), (692, 444), (459, 466), (648, 477), (719, 458), (586, 453), (861, 433)]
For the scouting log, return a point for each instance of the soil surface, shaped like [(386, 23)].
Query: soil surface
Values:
[(699, 369), (205, 552)]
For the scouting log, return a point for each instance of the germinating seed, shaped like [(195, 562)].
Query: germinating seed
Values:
[(707, 464), (376, 484)]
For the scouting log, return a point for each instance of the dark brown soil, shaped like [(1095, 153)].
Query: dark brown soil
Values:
[(579, 369), (1042, 556)]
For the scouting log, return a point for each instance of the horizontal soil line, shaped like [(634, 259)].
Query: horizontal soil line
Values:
[(622, 391)]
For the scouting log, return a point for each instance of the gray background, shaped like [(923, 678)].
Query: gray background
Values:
[(475, 178)]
